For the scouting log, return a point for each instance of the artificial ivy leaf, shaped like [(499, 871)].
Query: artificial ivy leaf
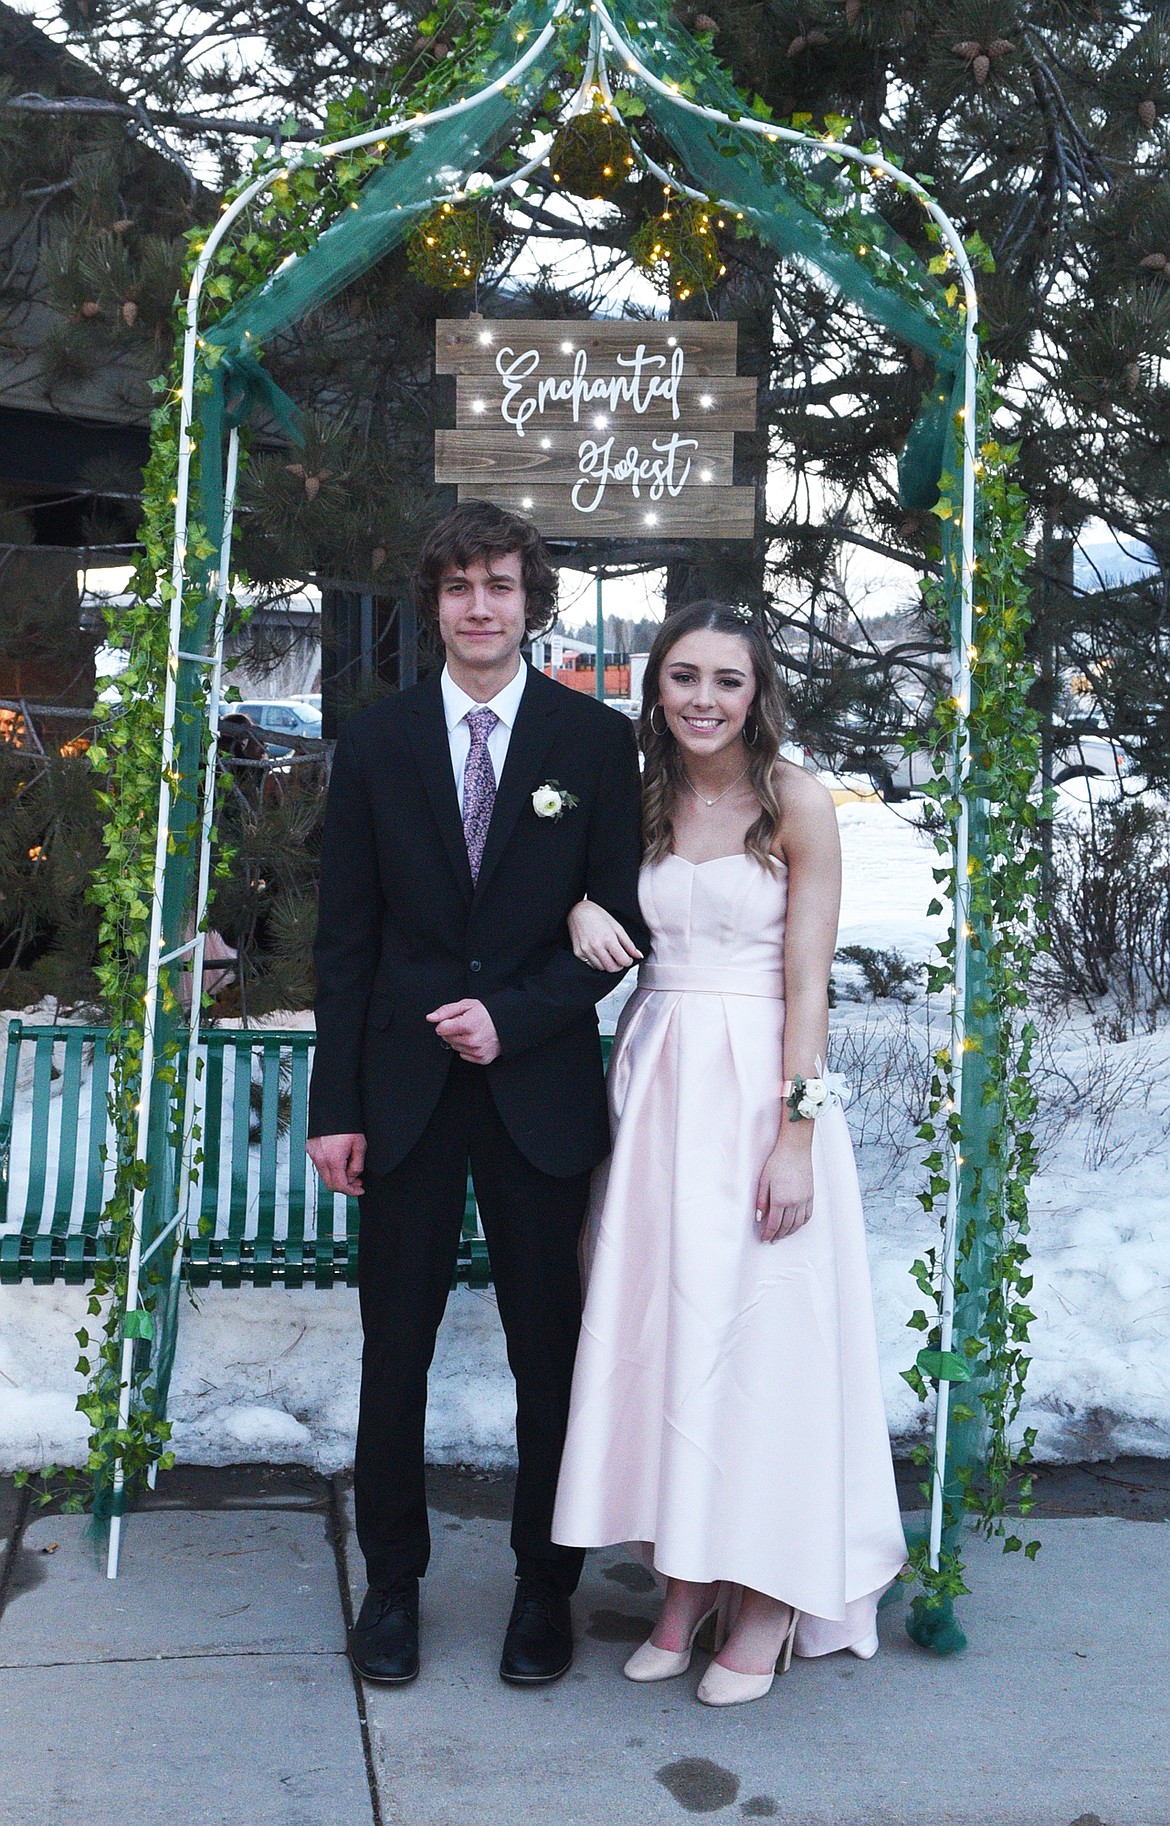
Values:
[(138, 1324), (943, 1365)]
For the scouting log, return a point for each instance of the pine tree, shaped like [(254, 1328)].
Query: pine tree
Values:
[(1045, 130)]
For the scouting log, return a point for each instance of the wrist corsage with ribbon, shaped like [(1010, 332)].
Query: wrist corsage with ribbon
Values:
[(805, 1098)]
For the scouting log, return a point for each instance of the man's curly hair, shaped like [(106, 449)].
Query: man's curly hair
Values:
[(479, 529)]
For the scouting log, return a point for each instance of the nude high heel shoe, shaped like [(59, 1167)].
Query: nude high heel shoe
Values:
[(722, 1686), (653, 1663)]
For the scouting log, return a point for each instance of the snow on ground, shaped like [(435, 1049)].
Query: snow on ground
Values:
[(270, 1374)]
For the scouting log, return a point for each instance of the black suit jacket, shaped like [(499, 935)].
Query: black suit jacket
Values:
[(402, 928)]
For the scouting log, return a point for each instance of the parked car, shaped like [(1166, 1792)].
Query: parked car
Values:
[(284, 715), (1087, 754)]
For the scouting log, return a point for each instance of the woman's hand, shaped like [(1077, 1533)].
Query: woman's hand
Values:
[(598, 939), (784, 1198)]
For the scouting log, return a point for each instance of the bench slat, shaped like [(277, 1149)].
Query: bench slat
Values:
[(241, 1137), (298, 1124), (212, 1135), (269, 1129), (70, 1101), (99, 1091), (38, 1157)]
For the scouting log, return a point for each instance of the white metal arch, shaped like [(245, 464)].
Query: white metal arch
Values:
[(602, 28)]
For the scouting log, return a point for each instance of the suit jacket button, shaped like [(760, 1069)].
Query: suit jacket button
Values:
[(474, 964)]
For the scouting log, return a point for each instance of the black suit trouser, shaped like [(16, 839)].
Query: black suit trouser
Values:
[(408, 1244)]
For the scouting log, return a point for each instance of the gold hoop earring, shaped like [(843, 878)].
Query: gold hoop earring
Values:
[(751, 740), (663, 730)]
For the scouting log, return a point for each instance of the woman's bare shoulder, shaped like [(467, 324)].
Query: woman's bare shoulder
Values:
[(808, 816), (801, 794)]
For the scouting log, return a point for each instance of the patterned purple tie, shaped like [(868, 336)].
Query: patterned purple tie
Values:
[(479, 786)]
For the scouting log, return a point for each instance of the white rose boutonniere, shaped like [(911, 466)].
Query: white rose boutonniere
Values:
[(550, 800)]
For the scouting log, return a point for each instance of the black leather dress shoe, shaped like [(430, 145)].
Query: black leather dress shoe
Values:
[(539, 1643), (383, 1643)]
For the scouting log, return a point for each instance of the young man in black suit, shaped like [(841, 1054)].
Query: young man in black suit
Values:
[(465, 818)]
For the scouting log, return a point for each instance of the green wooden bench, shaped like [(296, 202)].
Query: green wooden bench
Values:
[(260, 1212)]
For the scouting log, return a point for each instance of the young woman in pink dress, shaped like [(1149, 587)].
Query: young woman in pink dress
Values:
[(727, 1409)]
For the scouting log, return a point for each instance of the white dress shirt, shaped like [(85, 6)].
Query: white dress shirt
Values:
[(456, 705)]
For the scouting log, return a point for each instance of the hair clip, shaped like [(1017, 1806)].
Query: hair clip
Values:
[(743, 614)]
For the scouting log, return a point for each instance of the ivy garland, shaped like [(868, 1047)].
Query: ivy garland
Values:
[(990, 1364), (292, 214)]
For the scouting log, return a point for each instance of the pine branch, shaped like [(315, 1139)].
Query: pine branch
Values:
[(156, 117)]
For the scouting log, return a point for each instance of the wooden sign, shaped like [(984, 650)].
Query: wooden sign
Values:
[(612, 429)]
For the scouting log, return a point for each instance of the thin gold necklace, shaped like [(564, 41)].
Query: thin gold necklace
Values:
[(705, 801)]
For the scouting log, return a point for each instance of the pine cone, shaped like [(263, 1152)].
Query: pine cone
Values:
[(705, 23), (1000, 47), (129, 313), (816, 36), (1147, 113), (981, 68), (378, 557), (91, 308), (852, 11), (312, 482), (967, 47), (120, 227), (1156, 263), (797, 46), (1133, 377)]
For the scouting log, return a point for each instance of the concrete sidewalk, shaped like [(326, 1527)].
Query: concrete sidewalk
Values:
[(209, 1683)]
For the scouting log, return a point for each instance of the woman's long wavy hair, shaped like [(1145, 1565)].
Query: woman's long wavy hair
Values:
[(662, 779)]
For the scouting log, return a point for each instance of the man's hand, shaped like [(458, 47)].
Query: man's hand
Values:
[(468, 1029), (339, 1159)]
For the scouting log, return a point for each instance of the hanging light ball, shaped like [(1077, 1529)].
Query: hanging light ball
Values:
[(679, 248), (591, 155), (450, 248)]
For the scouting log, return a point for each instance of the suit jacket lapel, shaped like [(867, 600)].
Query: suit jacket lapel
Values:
[(432, 751), (532, 734)]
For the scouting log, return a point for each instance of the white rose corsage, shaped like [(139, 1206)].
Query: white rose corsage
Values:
[(550, 800), (805, 1098)]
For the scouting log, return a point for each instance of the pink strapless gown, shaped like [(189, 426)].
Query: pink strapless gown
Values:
[(727, 1407)]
